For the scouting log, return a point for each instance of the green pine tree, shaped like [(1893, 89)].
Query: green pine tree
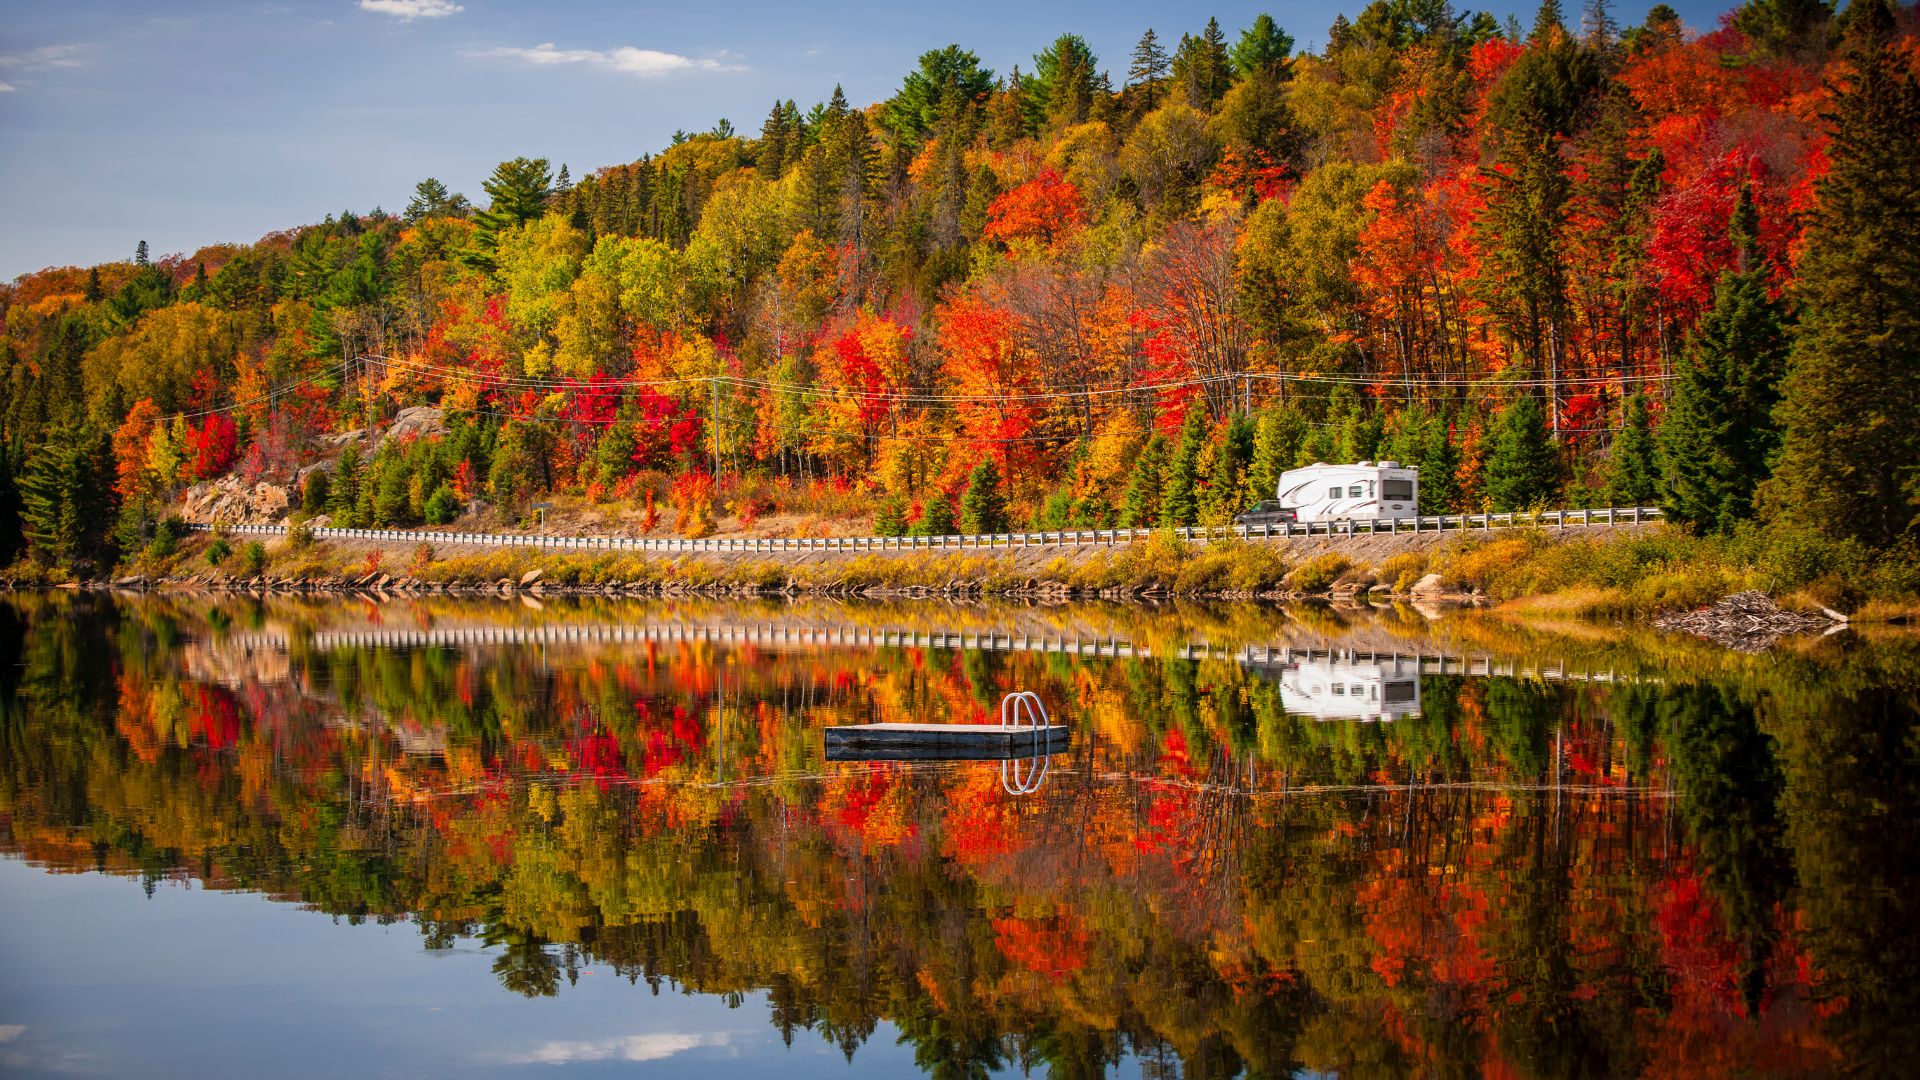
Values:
[(1719, 432), (1523, 470), (1633, 465), (519, 190), (936, 517), (11, 541), (1140, 506), (983, 508), (1850, 456), (1277, 441), (1225, 495), (1179, 500), (66, 505), (890, 517), (1439, 467)]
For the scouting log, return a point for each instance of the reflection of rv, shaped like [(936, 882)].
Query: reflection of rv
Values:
[(1351, 689), (1368, 491)]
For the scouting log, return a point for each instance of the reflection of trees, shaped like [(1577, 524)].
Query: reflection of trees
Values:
[(1851, 761), (1730, 784), (1171, 893)]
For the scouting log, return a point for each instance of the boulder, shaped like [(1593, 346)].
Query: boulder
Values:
[(1431, 585), (529, 578), (232, 501)]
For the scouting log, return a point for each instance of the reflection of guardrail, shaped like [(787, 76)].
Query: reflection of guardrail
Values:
[(777, 634), (1546, 519)]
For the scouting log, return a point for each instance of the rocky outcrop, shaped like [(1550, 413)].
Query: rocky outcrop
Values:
[(232, 501), (418, 422)]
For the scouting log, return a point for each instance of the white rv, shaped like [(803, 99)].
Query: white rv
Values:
[(1369, 491), (1365, 690)]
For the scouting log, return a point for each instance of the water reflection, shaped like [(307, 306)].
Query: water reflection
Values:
[(1675, 862)]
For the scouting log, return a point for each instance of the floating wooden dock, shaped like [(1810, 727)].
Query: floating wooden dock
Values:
[(954, 742)]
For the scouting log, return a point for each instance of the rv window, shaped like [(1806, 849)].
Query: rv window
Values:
[(1354, 491), (1396, 489), (1340, 689), (1399, 693), (1333, 493)]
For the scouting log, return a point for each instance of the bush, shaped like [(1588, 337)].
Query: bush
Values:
[(218, 551), (1404, 571), (442, 506), (299, 536), (253, 559), (1320, 572)]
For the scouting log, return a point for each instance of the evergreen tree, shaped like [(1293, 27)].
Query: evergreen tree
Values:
[(1633, 467), (1718, 432), (1523, 470), (1439, 468), (1149, 64), (1262, 48), (11, 540), (1201, 67), (1225, 496), (936, 517), (66, 508), (343, 491), (1277, 443), (1784, 26), (890, 517), (1179, 501), (519, 190), (432, 199), (1065, 79), (1140, 506), (983, 508), (140, 254), (1850, 458), (770, 156)]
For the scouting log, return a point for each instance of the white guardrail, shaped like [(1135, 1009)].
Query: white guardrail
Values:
[(1562, 519)]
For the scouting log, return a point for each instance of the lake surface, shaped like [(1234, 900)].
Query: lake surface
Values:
[(286, 837)]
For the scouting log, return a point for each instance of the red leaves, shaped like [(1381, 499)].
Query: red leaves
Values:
[(212, 446), (1044, 210)]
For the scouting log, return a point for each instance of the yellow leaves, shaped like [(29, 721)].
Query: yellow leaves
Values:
[(538, 262)]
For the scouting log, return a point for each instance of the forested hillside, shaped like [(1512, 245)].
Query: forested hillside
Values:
[(1567, 264)]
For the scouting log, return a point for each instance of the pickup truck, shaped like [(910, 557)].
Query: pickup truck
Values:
[(1266, 513)]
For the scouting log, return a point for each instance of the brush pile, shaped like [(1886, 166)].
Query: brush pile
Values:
[(1747, 621)]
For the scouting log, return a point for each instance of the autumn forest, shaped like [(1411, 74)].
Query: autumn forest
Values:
[(1576, 263)]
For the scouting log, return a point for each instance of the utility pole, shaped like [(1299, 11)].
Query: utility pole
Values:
[(716, 432), (366, 382)]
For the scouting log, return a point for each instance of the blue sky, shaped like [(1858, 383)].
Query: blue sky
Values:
[(190, 123)]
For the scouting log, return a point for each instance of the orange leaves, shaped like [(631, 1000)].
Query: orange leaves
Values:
[(1044, 211), (131, 442), (1051, 945), (988, 368)]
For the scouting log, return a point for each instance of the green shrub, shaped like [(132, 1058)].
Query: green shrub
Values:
[(299, 536), (442, 506), (253, 559), (218, 550)]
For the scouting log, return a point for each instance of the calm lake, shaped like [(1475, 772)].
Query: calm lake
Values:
[(289, 837)]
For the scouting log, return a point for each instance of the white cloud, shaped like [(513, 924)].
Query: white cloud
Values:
[(7, 88), (43, 58), (627, 60), (625, 1048), (10, 1032), (413, 9)]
